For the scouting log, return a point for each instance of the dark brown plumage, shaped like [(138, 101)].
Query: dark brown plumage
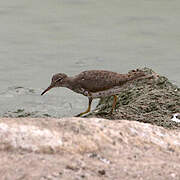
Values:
[(95, 83)]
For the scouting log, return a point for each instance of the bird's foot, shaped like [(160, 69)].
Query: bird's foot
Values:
[(78, 115)]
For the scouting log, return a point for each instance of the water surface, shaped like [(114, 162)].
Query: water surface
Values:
[(40, 38)]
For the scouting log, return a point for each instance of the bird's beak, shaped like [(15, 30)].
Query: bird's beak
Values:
[(50, 87)]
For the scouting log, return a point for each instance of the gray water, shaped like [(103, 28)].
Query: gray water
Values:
[(40, 38)]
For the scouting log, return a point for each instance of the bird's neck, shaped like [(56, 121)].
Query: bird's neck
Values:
[(69, 82), (73, 85)]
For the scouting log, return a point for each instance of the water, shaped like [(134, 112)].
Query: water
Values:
[(40, 38)]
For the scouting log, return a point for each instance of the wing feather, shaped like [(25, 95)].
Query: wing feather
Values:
[(95, 80)]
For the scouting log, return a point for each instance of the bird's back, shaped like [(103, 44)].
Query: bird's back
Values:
[(100, 80)]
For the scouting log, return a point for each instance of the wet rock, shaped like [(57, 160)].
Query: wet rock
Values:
[(152, 100)]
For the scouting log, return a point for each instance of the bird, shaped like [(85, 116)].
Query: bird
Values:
[(95, 84)]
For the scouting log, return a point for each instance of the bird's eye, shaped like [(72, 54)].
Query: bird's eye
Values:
[(58, 80)]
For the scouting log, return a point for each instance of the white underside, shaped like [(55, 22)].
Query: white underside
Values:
[(106, 93)]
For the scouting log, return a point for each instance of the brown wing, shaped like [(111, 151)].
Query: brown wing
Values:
[(98, 80)]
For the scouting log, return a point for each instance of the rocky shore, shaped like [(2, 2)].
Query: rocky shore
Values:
[(80, 148), (152, 100), (138, 141)]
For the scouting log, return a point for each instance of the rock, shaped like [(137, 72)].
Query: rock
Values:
[(28, 138), (37, 148), (151, 100)]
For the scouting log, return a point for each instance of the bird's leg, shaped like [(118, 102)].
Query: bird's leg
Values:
[(114, 103), (88, 109)]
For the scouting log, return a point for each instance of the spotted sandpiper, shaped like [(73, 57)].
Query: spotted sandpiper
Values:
[(95, 84)]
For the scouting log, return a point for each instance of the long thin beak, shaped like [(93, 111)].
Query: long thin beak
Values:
[(50, 87)]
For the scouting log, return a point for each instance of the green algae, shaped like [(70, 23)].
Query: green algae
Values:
[(151, 100)]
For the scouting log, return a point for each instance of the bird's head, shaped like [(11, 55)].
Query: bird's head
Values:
[(58, 80)]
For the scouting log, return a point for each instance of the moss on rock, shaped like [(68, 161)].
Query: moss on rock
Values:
[(152, 100)]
